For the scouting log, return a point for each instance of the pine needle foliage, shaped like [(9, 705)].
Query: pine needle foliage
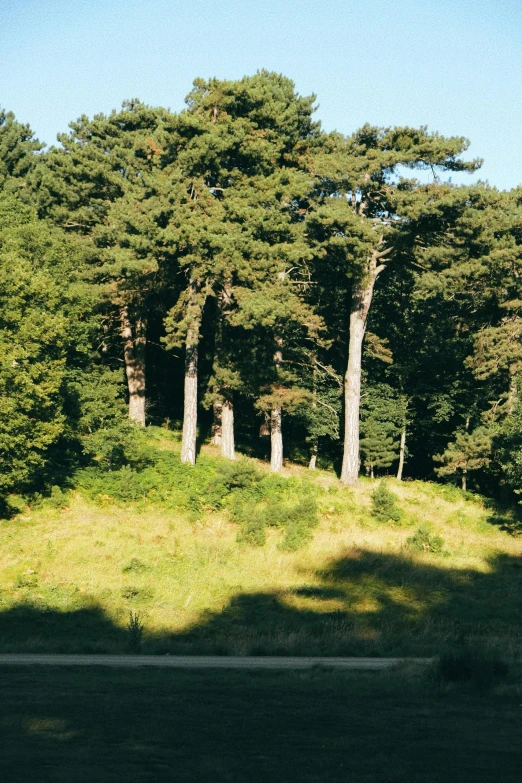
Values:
[(384, 505)]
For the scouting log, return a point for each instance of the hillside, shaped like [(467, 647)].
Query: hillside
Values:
[(85, 570)]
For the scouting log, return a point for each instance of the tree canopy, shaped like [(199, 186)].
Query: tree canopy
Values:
[(237, 270)]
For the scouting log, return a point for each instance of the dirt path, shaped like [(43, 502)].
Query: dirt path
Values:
[(204, 662)]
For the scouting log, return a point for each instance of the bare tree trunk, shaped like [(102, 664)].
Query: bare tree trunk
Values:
[(402, 450), (223, 426), (313, 454), (465, 469), (227, 437), (276, 433), (134, 342), (372, 475), (360, 305), (217, 426), (190, 405), (276, 441)]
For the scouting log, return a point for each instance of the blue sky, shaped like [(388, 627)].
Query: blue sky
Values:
[(454, 65)]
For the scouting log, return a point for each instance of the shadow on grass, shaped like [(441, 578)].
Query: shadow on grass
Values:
[(505, 516), (83, 725), (364, 603)]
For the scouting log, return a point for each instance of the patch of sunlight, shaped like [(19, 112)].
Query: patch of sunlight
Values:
[(367, 605), (407, 598), (314, 603), (50, 727)]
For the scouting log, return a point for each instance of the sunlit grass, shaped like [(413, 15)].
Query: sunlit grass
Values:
[(354, 589)]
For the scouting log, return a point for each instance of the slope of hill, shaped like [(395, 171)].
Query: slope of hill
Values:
[(164, 560)]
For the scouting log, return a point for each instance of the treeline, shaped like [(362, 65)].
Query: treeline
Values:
[(236, 268)]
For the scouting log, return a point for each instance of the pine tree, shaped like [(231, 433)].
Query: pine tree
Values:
[(105, 185), (18, 148), (469, 452), (365, 219), (240, 145)]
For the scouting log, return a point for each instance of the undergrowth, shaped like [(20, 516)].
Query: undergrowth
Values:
[(255, 500), (225, 557)]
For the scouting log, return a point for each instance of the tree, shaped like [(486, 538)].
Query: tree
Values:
[(365, 217), (240, 146), (470, 451), (33, 344), (382, 416), (18, 148), (105, 185)]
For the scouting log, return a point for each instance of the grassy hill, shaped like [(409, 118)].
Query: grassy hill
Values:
[(150, 559)]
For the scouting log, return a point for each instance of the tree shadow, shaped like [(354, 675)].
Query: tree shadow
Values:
[(370, 603), (364, 603), (505, 516), (114, 724)]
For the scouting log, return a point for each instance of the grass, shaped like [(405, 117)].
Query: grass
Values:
[(74, 571), (62, 725)]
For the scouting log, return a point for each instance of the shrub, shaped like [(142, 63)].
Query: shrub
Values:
[(253, 499), (478, 666), (297, 520), (137, 594), (135, 631), (252, 528), (384, 505), (240, 474), (424, 541), (57, 498), (297, 534), (135, 566)]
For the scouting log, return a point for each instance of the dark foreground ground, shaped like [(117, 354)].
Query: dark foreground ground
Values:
[(96, 725)]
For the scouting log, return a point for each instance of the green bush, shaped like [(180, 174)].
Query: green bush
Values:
[(241, 474), (466, 665), (384, 505), (296, 519), (424, 541), (252, 528), (297, 534), (253, 499), (135, 566), (57, 498), (135, 631), (137, 594)]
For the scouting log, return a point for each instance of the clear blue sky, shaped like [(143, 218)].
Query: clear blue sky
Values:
[(454, 65)]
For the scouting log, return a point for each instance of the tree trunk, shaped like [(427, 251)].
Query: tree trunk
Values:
[(190, 404), (313, 454), (227, 436), (372, 475), (134, 342), (360, 305), (465, 468), (276, 441), (223, 426), (276, 433), (402, 450), (217, 425)]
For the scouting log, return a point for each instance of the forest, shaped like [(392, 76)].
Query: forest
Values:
[(235, 272)]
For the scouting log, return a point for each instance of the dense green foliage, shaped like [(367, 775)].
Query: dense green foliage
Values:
[(208, 262), (384, 505)]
